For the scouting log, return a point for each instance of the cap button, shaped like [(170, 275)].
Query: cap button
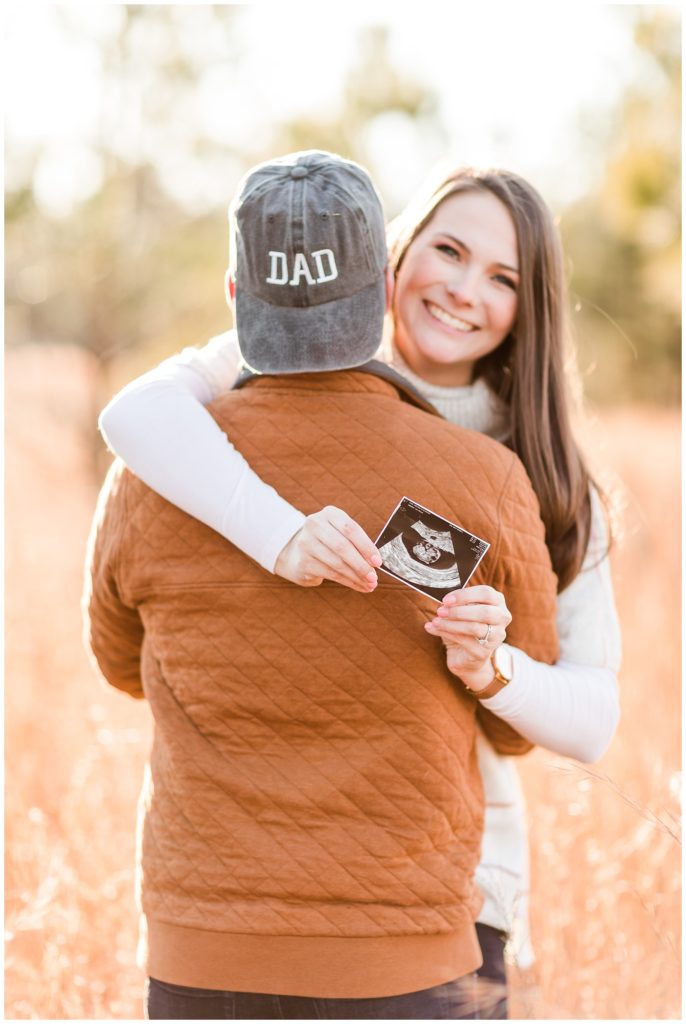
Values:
[(299, 171)]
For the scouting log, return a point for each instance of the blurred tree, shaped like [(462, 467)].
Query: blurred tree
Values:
[(374, 90), (121, 275), (125, 273), (623, 240)]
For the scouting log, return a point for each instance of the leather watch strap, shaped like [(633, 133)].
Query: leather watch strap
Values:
[(490, 691), (498, 683)]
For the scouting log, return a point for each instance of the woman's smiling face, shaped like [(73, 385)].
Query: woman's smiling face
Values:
[(455, 294)]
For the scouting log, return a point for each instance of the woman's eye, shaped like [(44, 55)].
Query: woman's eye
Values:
[(507, 281), (449, 250)]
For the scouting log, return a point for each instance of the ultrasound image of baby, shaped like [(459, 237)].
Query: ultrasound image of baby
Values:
[(428, 562), (427, 551)]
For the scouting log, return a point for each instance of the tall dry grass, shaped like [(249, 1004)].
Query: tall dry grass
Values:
[(605, 852)]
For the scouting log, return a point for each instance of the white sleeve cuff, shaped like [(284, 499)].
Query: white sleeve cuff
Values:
[(259, 521)]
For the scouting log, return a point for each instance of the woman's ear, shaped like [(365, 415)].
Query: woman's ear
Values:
[(229, 287)]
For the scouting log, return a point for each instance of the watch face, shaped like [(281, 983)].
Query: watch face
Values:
[(503, 662)]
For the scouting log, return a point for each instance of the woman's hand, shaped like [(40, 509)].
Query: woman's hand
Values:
[(330, 546), (464, 618)]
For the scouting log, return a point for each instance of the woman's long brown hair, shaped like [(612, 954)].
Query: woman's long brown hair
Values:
[(533, 369)]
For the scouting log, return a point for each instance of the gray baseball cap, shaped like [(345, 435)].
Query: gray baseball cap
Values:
[(309, 258)]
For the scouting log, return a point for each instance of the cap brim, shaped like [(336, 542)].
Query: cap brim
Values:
[(334, 335)]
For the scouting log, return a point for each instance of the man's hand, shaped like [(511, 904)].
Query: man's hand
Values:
[(330, 546)]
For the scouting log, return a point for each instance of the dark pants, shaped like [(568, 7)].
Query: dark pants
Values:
[(491, 976), (474, 997)]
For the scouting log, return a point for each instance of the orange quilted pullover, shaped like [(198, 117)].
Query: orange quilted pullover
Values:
[(312, 813)]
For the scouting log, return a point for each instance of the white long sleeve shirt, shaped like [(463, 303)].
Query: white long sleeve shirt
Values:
[(158, 425)]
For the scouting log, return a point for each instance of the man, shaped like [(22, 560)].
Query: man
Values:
[(312, 815)]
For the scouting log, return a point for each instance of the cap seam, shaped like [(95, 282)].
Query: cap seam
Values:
[(361, 219)]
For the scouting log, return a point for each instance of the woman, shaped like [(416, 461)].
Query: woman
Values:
[(478, 326)]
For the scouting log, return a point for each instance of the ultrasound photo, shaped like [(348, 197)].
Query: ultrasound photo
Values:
[(428, 553)]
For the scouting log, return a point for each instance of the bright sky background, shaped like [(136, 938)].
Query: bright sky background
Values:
[(520, 85)]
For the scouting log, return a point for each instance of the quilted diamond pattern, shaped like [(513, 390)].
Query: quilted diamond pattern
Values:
[(313, 769)]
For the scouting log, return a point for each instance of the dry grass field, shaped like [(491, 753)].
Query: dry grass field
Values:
[(605, 839)]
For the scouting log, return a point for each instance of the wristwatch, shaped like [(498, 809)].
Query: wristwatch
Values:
[(503, 671)]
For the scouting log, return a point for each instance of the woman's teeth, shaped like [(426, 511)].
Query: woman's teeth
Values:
[(446, 318)]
